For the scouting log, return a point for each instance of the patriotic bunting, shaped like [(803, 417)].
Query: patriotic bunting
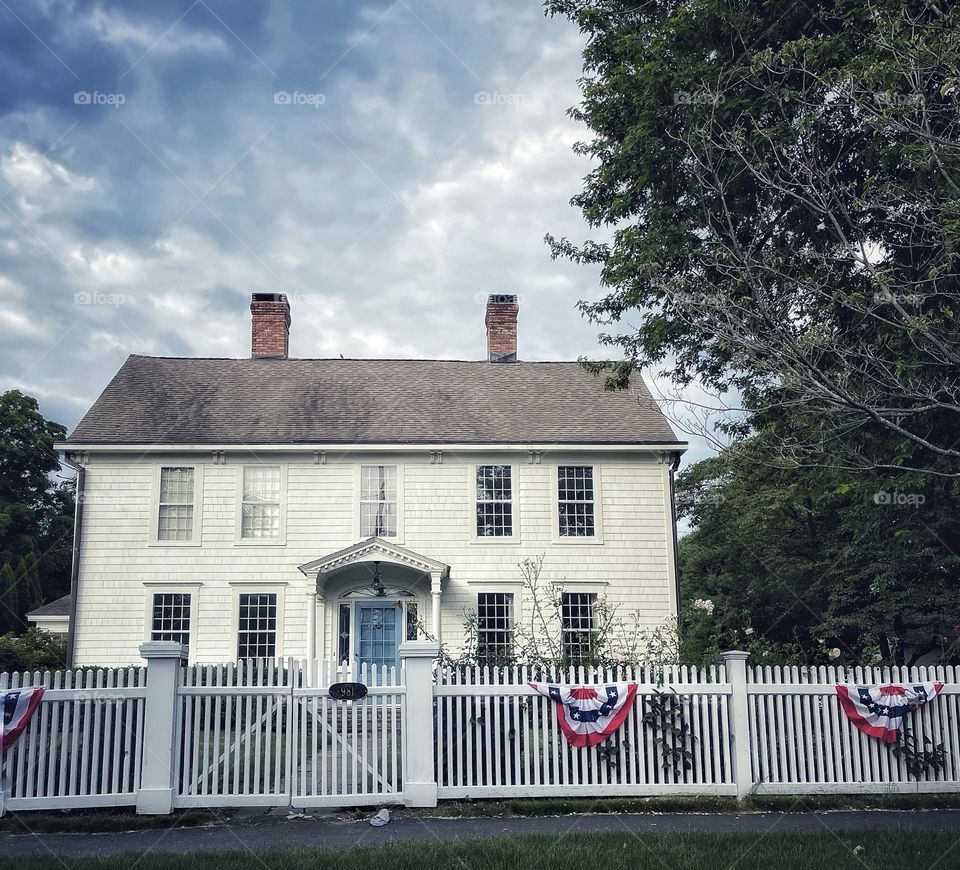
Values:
[(18, 706), (879, 710), (588, 715)]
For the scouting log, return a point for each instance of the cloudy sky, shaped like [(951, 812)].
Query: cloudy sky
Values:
[(385, 164)]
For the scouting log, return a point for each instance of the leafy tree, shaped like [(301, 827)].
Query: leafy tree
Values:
[(780, 183), (36, 511), (35, 650), (815, 566)]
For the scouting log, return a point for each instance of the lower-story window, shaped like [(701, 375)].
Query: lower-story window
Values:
[(171, 617), (257, 627), (577, 625), (495, 626)]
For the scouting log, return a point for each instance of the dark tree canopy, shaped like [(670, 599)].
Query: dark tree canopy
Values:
[(36, 512), (793, 564), (777, 185)]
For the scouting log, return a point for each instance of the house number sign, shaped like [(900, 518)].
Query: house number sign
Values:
[(348, 691)]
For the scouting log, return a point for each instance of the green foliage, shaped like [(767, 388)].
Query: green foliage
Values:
[(36, 513), (818, 567), (35, 650), (780, 186)]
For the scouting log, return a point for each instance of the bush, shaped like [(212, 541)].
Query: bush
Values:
[(36, 650)]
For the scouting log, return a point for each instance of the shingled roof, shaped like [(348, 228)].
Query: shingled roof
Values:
[(163, 400)]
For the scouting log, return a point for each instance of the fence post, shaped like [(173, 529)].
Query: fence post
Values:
[(155, 795), (419, 776), (735, 662)]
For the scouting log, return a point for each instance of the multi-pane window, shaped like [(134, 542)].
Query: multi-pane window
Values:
[(257, 635), (494, 501), (260, 511), (411, 619), (171, 617), (378, 501), (575, 505), (495, 626), (577, 625), (175, 521)]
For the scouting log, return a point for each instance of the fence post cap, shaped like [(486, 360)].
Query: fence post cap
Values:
[(163, 649), (735, 655), (419, 649)]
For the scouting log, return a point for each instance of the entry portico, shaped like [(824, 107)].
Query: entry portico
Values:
[(372, 595)]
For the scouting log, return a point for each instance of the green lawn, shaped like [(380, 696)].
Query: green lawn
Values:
[(821, 851)]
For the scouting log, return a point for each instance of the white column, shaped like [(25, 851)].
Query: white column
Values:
[(419, 779), (736, 667), (311, 650), (435, 604), (155, 795)]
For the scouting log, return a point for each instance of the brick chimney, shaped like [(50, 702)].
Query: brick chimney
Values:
[(270, 335), (501, 323)]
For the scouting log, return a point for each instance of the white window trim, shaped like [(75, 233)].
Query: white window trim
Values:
[(515, 489), (556, 537), (514, 589), (238, 538), (357, 475), (196, 540), (242, 588), (191, 589)]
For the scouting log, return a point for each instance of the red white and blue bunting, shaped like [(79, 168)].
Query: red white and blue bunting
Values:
[(588, 715), (17, 706), (879, 710)]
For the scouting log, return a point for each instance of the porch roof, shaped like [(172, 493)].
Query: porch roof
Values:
[(375, 549)]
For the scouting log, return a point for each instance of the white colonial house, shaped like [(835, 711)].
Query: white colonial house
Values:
[(322, 508)]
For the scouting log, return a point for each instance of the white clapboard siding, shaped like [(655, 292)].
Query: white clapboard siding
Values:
[(83, 747)]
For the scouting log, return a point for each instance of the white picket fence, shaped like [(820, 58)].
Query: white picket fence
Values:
[(497, 737), (269, 733), (84, 745)]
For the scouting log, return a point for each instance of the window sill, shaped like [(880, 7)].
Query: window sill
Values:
[(178, 544), (493, 540), (260, 542)]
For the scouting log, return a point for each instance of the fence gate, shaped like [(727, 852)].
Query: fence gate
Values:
[(268, 733)]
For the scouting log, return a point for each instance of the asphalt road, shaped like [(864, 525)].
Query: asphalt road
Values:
[(261, 832)]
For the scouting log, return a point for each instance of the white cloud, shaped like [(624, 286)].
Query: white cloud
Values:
[(114, 28), (29, 172)]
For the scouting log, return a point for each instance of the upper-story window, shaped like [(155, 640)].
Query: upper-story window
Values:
[(177, 491), (260, 511), (575, 506), (378, 501), (494, 501)]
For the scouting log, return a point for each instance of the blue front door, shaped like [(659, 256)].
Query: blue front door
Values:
[(378, 633)]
